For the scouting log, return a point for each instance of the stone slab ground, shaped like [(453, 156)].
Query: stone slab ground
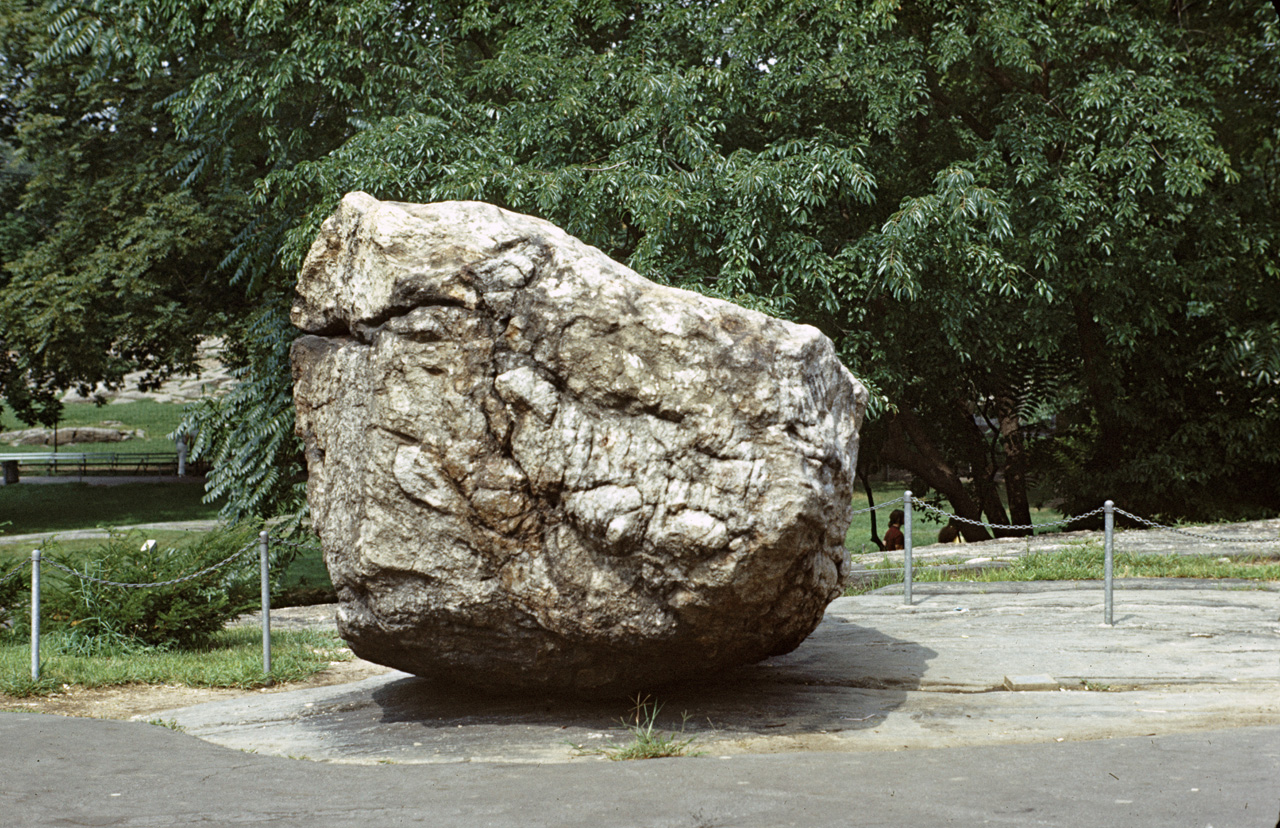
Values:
[(877, 675)]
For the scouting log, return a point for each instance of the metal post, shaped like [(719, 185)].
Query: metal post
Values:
[(906, 546), (263, 548), (35, 614), (1109, 531)]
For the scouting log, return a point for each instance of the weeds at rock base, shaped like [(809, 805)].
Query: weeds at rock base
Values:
[(647, 741)]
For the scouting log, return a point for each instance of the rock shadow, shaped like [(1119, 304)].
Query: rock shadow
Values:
[(843, 677)]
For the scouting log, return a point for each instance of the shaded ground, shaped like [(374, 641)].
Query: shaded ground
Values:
[(964, 664)]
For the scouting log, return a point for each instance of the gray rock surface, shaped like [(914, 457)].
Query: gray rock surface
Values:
[(211, 378), (68, 436), (532, 468)]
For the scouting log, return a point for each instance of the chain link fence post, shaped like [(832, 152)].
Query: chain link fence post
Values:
[(263, 551), (906, 547), (35, 614), (1109, 531)]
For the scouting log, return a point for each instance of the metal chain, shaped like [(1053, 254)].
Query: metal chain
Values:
[(1062, 522), (15, 571), (880, 506), (84, 577), (296, 544), (1155, 525)]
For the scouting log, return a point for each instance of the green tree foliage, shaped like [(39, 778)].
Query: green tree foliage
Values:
[(109, 262), (1043, 232), (1114, 194)]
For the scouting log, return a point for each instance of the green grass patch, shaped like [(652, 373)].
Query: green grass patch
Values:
[(59, 507), (231, 658), (306, 581), (887, 573), (157, 419), (1086, 561), (1083, 561), (647, 741), (92, 547), (925, 525)]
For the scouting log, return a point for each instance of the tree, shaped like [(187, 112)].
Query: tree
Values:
[(1042, 232), (110, 263), (1114, 184)]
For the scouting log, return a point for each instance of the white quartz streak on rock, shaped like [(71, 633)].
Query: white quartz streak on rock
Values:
[(532, 468)]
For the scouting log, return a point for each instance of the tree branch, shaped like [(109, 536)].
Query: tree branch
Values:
[(949, 106)]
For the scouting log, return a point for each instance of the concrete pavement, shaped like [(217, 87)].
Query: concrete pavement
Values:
[(1012, 663)]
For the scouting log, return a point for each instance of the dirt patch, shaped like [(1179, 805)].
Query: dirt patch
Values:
[(145, 700)]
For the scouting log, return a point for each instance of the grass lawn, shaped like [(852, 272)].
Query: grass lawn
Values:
[(232, 658), (307, 580), (157, 419), (925, 525), (1082, 561), (58, 507)]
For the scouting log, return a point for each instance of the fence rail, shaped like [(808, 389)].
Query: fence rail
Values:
[(113, 462)]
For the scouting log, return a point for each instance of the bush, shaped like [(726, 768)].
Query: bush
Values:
[(98, 618), (11, 591)]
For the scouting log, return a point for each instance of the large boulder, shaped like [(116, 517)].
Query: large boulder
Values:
[(530, 467)]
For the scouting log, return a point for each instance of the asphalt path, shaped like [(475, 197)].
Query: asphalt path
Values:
[(62, 771)]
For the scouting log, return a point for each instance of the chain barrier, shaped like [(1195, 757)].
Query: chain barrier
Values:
[(880, 506), (261, 544), (1108, 509), (14, 571), (86, 577), (309, 547), (1198, 536), (1065, 521)]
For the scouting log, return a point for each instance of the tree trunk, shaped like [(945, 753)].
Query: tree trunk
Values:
[(983, 467), (871, 502), (1101, 388), (1015, 464), (909, 447)]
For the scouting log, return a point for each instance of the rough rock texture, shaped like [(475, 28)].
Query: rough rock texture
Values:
[(532, 468), (212, 378), (67, 436)]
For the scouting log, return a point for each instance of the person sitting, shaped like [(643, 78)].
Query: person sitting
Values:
[(893, 537), (950, 533)]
